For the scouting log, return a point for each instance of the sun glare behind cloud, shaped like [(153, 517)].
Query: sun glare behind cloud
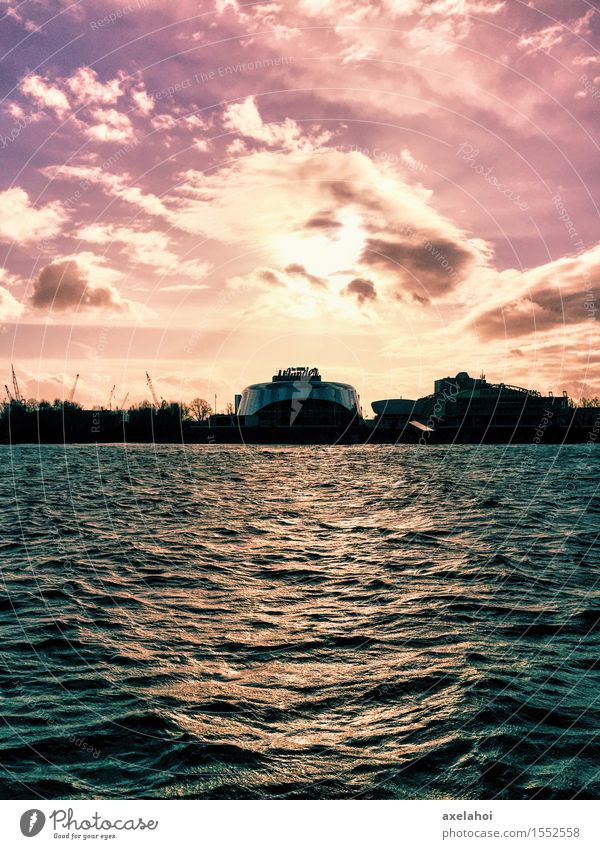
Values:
[(328, 253)]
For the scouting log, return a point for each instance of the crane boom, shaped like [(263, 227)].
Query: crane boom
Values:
[(8, 395), (152, 391), (124, 401), (110, 397), (18, 396), (72, 392)]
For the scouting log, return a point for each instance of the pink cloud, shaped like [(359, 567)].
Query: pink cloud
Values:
[(10, 308), (110, 125), (245, 119), (88, 90), (46, 95), (22, 222)]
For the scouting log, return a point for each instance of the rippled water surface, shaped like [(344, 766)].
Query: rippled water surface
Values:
[(300, 622)]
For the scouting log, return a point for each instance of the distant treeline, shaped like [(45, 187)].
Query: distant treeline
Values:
[(65, 421)]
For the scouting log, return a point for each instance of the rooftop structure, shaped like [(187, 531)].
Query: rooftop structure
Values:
[(297, 373)]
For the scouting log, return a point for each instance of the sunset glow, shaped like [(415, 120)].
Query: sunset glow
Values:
[(393, 191)]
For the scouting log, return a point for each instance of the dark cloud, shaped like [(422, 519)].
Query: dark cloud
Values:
[(353, 191), (411, 298), (362, 289), (269, 277), (341, 191), (297, 270), (63, 285), (431, 266), (323, 221), (546, 309)]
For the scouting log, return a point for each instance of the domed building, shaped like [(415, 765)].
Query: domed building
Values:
[(299, 397)]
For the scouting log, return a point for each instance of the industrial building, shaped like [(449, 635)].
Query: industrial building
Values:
[(474, 408)]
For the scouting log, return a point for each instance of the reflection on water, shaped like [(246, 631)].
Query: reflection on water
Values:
[(299, 622)]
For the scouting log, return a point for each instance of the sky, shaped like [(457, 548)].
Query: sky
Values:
[(392, 191)]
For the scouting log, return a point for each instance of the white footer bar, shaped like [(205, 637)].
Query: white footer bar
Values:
[(288, 824)]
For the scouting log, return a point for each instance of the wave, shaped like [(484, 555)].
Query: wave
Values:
[(290, 624)]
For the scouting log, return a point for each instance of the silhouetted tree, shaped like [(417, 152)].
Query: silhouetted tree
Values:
[(200, 409)]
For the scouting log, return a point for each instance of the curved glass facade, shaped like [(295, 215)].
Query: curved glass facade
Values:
[(300, 401)]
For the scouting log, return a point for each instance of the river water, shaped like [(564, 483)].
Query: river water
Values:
[(300, 622)]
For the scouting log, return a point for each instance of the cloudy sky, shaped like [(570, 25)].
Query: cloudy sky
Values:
[(390, 190)]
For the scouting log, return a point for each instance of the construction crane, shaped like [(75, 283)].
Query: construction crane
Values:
[(110, 397), (8, 395), (72, 392), (124, 401), (18, 396), (152, 391)]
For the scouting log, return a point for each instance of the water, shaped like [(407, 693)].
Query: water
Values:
[(369, 622)]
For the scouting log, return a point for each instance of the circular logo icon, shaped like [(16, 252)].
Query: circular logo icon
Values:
[(32, 822)]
